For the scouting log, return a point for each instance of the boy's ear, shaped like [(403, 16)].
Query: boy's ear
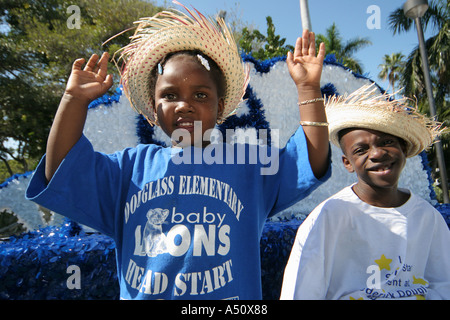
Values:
[(347, 164)]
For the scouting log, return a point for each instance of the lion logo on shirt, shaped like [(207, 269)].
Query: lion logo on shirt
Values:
[(154, 238)]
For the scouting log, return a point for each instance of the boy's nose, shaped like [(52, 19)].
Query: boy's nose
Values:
[(378, 154), (183, 106)]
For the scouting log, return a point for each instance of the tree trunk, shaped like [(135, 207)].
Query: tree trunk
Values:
[(7, 166)]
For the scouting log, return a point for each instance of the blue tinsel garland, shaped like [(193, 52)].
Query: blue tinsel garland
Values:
[(107, 99), (15, 177), (34, 265)]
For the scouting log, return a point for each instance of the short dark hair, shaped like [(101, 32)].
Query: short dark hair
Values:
[(341, 134)]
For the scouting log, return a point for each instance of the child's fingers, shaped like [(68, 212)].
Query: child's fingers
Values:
[(289, 59), (298, 47), (305, 42), (312, 44), (78, 63), (103, 65), (90, 65), (108, 81), (322, 51)]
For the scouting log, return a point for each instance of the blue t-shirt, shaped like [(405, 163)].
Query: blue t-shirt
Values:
[(184, 227)]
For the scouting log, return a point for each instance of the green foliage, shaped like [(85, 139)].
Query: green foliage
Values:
[(436, 18), (264, 47), (37, 49), (9, 224), (10, 167), (438, 48), (392, 67), (343, 51)]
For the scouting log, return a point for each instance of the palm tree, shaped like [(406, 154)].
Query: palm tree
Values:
[(437, 17), (391, 68), (343, 51), (438, 48)]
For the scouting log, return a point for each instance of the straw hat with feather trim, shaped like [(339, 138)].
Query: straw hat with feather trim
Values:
[(367, 109), (173, 31)]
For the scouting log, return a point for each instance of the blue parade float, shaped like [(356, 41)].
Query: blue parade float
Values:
[(35, 264)]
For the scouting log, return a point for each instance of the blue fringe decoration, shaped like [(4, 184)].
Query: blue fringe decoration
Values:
[(34, 265), (145, 131), (263, 66), (444, 209), (16, 176), (331, 60), (427, 168), (107, 100), (329, 90), (254, 119)]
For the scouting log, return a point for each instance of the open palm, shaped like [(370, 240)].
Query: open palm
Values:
[(92, 81), (304, 66)]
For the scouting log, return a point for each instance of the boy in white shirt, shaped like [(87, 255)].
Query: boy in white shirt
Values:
[(372, 240)]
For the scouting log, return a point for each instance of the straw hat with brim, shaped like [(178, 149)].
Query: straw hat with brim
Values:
[(174, 31), (366, 109)]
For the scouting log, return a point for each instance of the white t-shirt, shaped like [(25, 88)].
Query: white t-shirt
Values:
[(348, 249)]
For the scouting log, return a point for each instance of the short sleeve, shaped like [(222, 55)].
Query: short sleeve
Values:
[(85, 187), (294, 179)]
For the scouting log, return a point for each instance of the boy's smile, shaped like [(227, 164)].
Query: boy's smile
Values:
[(381, 169), (186, 93), (376, 157)]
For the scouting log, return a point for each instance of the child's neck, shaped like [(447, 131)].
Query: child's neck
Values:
[(381, 197)]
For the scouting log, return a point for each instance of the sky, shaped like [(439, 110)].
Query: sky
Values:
[(350, 16)]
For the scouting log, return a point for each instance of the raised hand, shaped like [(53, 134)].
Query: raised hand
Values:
[(92, 81), (304, 66), (305, 69), (84, 85)]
